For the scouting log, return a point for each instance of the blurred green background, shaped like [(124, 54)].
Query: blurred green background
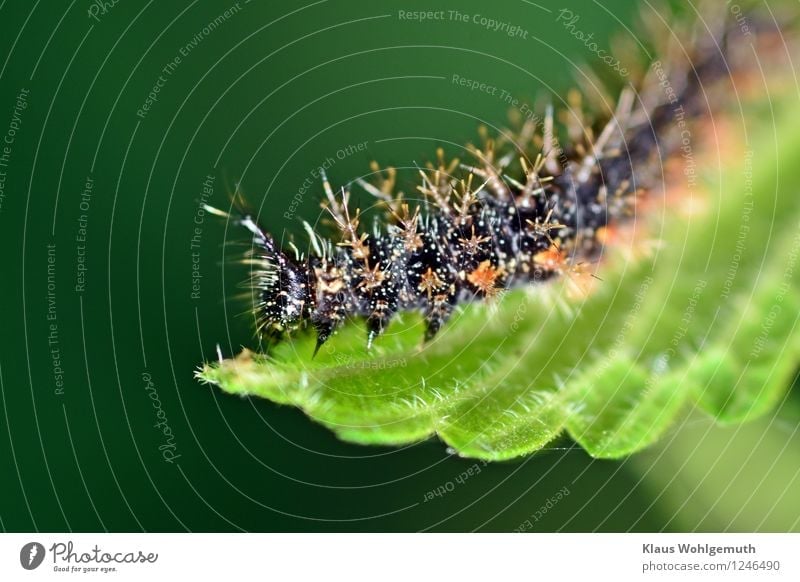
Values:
[(262, 94)]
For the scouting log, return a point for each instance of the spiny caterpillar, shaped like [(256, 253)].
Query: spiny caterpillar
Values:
[(497, 226)]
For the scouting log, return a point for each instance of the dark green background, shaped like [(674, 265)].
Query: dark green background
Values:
[(270, 94)]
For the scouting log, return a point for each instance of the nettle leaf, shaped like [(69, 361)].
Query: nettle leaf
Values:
[(709, 316)]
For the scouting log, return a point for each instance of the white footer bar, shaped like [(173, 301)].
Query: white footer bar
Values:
[(401, 557)]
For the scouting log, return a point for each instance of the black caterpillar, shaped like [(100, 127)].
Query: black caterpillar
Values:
[(486, 232)]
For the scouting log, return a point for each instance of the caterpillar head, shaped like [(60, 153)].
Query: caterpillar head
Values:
[(283, 301)]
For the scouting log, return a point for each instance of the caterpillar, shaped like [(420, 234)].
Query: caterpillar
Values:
[(525, 212)]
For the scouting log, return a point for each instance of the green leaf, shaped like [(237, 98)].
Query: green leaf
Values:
[(710, 316)]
